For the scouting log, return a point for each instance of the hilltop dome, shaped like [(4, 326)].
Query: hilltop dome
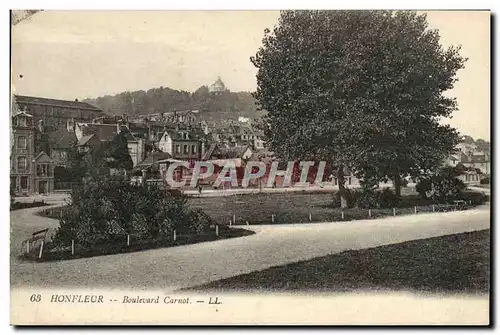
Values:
[(218, 86)]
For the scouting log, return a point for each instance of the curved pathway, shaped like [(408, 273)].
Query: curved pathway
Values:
[(190, 265)]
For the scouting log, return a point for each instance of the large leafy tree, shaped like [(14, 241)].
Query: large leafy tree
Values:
[(360, 89)]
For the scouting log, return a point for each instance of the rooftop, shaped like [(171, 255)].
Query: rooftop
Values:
[(23, 99), (62, 138)]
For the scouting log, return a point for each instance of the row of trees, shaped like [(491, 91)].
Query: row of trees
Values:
[(361, 90), (213, 106)]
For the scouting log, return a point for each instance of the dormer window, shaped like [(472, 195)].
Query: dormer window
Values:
[(21, 121)]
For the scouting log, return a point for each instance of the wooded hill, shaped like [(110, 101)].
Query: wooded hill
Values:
[(223, 105)]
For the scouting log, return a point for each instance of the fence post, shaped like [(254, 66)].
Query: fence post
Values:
[(128, 240), (234, 219), (369, 212), (415, 209), (394, 211), (272, 218), (41, 250), (248, 223), (433, 208), (72, 247), (310, 216), (175, 235), (230, 223), (216, 230), (342, 215)]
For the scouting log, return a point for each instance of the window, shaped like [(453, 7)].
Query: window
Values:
[(186, 136), (193, 149), (24, 182), (21, 121), (349, 180), (177, 149), (21, 164), (21, 142), (186, 150), (42, 170)]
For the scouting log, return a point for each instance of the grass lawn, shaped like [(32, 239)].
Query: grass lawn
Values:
[(457, 263), (262, 208), (23, 205)]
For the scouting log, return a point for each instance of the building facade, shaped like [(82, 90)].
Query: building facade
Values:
[(182, 144), (30, 171), (56, 113)]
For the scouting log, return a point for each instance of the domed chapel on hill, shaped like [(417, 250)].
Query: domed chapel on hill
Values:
[(217, 87)]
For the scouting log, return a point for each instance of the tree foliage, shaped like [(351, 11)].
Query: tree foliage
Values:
[(225, 105), (118, 154), (360, 89)]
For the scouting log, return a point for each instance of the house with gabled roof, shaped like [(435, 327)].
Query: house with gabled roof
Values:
[(60, 143), (106, 133), (481, 162), (184, 143), (44, 173)]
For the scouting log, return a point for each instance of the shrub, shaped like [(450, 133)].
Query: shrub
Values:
[(106, 208), (387, 198), (370, 198), (350, 197), (475, 198), (485, 181), (198, 222), (367, 198), (423, 187), (441, 188)]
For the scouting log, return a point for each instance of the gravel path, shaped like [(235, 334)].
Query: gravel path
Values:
[(186, 266)]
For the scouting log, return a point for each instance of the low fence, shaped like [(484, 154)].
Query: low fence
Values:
[(54, 212), (332, 215), (36, 246), (33, 246)]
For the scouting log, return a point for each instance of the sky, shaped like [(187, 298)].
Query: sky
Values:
[(86, 54)]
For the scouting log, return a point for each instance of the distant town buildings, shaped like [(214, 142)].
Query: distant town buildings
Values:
[(472, 155), (45, 131)]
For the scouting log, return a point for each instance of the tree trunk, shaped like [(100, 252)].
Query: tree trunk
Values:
[(342, 192), (397, 185)]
